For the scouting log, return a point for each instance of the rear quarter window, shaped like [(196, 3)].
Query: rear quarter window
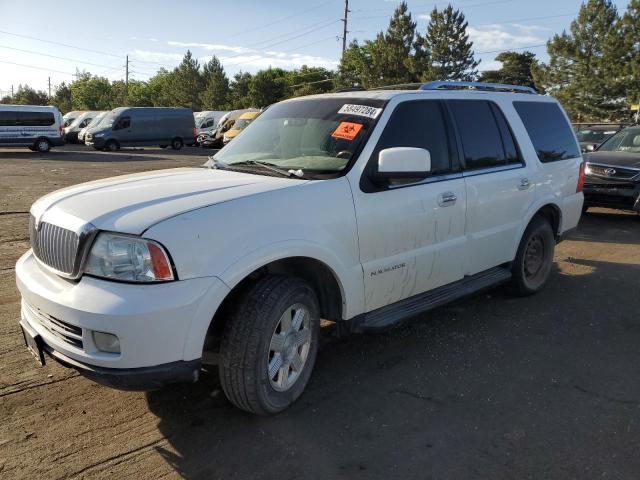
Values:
[(549, 131)]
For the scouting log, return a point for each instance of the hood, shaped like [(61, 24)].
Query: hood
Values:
[(133, 203), (618, 159)]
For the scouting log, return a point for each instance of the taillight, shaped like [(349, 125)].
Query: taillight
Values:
[(61, 131), (580, 178), (195, 132)]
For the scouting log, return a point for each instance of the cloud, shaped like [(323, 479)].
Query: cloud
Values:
[(210, 46), (499, 37), (153, 39), (161, 57)]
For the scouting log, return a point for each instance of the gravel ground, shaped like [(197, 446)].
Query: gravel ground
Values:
[(490, 387)]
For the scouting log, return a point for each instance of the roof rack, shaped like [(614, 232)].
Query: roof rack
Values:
[(349, 89), (399, 86), (492, 87)]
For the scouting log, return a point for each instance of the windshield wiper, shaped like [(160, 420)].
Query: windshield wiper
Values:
[(274, 168)]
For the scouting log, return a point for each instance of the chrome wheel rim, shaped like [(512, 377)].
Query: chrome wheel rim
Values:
[(42, 145), (533, 256), (289, 347)]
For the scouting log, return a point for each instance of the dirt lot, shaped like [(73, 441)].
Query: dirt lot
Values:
[(491, 387)]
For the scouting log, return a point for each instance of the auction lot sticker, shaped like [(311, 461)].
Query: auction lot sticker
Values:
[(361, 110), (347, 130)]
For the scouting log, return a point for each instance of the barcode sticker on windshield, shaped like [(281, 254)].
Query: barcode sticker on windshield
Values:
[(360, 110)]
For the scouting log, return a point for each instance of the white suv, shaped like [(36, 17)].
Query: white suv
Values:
[(361, 207)]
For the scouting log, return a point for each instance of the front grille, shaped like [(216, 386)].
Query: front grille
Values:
[(607, 171), (617, 186), (64, 331), (55, 246)]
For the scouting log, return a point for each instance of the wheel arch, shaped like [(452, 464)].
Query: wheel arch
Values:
[(548, 209), (322, 278)]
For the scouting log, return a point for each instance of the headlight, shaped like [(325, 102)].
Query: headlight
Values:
[(131, 259), (98, 134), (587, 169)]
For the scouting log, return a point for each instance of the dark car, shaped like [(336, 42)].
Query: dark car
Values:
[(612, 173), (592, 137)]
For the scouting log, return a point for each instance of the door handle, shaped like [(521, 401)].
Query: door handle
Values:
[(447, 199), (524, 184)]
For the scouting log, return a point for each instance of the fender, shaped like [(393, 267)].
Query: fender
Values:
[(548, 199)]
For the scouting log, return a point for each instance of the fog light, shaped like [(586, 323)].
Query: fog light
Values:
[(106, 342)]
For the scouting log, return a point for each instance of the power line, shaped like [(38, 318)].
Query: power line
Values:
[(59, 43), (39, 68), (510, 49), (56, 56)]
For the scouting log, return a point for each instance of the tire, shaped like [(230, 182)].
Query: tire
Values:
[(98, 148), (32, 148), (42, 145), (111, 146), (177, 143), (534, 259), (253, 340), (163, 146)]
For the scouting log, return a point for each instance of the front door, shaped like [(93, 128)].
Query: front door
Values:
[(411, 232)]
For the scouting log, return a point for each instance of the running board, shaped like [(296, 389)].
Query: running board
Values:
[(391, 314)]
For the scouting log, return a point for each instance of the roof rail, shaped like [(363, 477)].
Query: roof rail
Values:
[(399, 86), (492, 87), (349, 89)]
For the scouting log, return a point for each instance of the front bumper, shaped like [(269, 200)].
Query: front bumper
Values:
[(97, 142), (159, 326), (625, 196)]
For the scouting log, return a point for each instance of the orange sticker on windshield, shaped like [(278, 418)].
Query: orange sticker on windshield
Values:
[(347, 130)]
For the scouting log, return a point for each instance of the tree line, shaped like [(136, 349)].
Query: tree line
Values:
[(593, 69)]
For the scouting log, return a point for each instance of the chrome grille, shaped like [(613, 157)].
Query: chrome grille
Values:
[(54, 246), (64, 331), (610, 171)]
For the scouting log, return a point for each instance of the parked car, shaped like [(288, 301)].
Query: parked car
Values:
[(363, 208), (33, 126), (81, 121), (240, 124), (143, 126), (91, 125), (207, 121), (591, 137), (612, 174), (69, 117), (215, 139)]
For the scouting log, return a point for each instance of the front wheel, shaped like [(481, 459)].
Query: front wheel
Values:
[(111, 146), (269, 345), (534, 259)]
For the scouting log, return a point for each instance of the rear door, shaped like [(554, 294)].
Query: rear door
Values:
[(498, 188), (411, 232)]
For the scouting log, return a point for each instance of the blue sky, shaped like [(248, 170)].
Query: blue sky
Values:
[(245, 34)]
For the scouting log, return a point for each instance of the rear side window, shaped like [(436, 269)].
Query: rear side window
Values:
[(26, 119), (418, 124), (549, 130), (486, 139)]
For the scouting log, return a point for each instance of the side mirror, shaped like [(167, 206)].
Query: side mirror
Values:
[(402, 162), (591, 148)]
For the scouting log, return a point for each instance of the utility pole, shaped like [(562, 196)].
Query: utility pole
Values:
[(49, 82), (126, 77), (344, 26), (12, 91)]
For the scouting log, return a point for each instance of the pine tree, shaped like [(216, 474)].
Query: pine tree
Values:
[(267, 87), (630, 30), (516, 69), (449, 48), (240, 90), (215, 95), (185, 83), (583, 70)]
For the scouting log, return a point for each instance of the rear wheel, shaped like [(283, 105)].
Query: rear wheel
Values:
[(533, 262), (111, 146), (176, 143), (42, 145), (269, 345)]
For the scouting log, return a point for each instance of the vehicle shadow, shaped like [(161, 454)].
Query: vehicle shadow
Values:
[(608, 226), (493, 386)]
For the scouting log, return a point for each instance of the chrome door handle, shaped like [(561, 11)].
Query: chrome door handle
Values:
[(447, 199), (524, 184)]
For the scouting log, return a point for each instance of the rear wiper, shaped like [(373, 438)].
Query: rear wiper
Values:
[(274, 168)]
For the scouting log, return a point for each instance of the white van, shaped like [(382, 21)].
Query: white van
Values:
[(72, 130), (207, 121), (33, 126), (91, 125), (69, 117)]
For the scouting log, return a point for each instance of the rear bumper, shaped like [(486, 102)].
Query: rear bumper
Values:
[(613, 196)]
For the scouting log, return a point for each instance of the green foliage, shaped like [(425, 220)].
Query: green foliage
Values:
[(310, 81), (216, 93), (26, 95), (240, 90), (630, 72), (186, 83), (267, 87), (89, 92), (450, 50), (585, 65), (516, 69)]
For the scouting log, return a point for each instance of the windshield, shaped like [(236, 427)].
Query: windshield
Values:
[(109, 118), (242, 123), (69, 121), (319, 135), (595, 136), (96, 121), (625, 141)]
